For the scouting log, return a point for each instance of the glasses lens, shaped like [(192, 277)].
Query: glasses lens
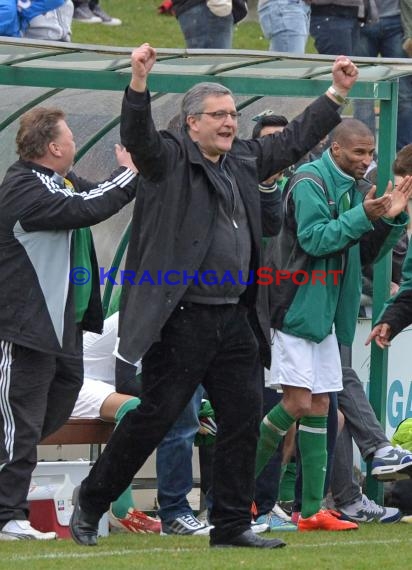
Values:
[(224, 114)]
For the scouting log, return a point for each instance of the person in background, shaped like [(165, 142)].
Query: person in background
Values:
[(406, 17), (53, 25), (384, 37), (208, 24), (335, 25), (397, 311), (285, 23)]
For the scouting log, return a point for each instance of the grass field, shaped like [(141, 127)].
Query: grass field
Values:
[(373, 546)]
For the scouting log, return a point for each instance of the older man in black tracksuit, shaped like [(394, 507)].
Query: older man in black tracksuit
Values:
[(45, 211), (198, 217)]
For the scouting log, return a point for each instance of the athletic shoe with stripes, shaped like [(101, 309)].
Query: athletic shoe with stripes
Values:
[(275, 522), (366, 510), (396, 464), (22, 530), (186, 525), (136, 521)]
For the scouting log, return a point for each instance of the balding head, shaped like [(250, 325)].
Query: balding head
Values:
[(352, 147), (349, 128)]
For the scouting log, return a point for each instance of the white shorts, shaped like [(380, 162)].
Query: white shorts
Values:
[(305, 364), (91, 397)]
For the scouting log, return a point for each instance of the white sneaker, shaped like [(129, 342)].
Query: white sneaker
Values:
[(277, 509), (22, 530), (258, 528), (366, 510)]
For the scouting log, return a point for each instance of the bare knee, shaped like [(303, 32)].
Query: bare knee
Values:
[(297, 401)]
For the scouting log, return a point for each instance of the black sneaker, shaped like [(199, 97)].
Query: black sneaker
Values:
[(186, 525)]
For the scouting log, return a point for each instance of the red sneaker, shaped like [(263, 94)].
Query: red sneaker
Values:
[(295, 517), (137, 521), (324, 520)]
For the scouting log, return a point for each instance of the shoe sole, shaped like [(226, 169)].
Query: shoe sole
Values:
[(8, 537), (88, 21), (326, 529), (395, 473), (195, 533), (373, 520), (389, 520)]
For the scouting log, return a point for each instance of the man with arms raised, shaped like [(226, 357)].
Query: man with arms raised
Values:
[(199, 211)]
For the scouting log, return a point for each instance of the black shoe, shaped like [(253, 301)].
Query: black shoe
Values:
[(83, 526), (249, 539)]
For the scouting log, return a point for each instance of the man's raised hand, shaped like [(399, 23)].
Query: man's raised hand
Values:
[(344, 73), (142, 61)]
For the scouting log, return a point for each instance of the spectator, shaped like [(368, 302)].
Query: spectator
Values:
[(328, 227), (334, 25), (201, 212), (45, 211), (397, 311), (43, 19), (406, 17), (384, 38), (53, 25), (9, 19), (398, 256), (285, 23), (207, 23), (90, 12)]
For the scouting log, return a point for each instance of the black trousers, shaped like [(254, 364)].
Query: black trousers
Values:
[(214, 346), (37, 394)]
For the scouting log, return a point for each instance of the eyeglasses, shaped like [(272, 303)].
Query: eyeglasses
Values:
[(220, 115)]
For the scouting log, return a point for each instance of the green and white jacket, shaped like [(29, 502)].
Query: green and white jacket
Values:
[(336, 236)]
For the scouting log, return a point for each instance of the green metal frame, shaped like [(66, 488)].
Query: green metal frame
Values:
[(257, 74)]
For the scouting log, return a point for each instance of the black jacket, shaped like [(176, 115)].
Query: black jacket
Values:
[(37, 217), (176, 205)]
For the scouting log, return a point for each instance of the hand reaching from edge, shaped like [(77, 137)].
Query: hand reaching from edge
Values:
[(380, 334)]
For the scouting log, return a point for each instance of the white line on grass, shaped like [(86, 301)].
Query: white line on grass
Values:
[(106, 553)]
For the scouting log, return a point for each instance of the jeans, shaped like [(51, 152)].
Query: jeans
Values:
[(174, 462), (385, 38), (204, 30), (362, 425), (212, 345), (285, 23), (334, 35)]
